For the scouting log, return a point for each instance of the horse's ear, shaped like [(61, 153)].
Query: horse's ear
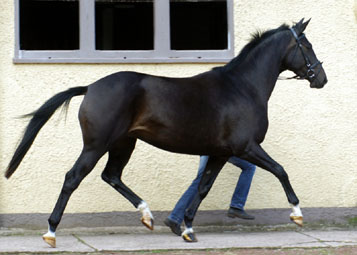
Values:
[(300, 22), (304, 25), (301, 26)]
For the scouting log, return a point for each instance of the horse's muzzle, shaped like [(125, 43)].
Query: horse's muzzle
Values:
[(316, 83)]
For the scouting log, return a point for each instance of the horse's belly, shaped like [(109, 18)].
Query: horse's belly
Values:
[(178, 143)]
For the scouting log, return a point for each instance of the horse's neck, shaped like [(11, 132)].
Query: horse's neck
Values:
[(263, 67)]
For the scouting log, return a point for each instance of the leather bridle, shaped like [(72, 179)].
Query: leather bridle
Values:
[(311, 72)]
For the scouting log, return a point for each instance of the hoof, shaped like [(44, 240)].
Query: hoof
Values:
[(189, 237), (50, 240), (148, 222), (298, 220)]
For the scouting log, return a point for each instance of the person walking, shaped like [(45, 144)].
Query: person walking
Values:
[(239, 197)]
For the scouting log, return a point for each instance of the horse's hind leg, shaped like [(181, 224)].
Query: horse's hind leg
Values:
[(212, 169), (118, 158), (84, 164)]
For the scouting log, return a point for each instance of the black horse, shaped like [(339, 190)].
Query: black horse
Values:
[(222, 112)]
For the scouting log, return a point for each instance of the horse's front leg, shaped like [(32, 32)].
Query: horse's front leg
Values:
[(259, 157), (212, 169)]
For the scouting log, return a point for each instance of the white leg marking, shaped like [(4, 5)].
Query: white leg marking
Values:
[(50, 238), (145, 210), (187, 231), (49, 233), (296, 211)]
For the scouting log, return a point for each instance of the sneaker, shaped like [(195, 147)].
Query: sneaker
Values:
[(239, 213), (175, 228)]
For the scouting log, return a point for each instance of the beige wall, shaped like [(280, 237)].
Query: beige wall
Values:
[(312, 132)]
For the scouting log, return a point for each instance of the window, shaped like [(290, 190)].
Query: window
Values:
[(43, 27), (198, 25), (134, 20), (115, 31)]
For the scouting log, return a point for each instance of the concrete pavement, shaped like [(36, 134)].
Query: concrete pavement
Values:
[(93, 241)]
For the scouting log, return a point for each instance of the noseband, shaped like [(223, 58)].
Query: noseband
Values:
[(310, 73)]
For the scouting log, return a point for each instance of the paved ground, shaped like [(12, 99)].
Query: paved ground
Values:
[(167, 243)]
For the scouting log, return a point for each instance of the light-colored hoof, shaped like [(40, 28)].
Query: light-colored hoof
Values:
[(298, 220), (189, 237), (148, 222), (50, 240)]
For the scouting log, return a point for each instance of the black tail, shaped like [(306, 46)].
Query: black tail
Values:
[(39, 119)]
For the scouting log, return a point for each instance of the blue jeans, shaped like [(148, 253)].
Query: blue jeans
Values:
[(239, 196)]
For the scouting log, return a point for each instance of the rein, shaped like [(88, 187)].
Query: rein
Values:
[(310, 73)]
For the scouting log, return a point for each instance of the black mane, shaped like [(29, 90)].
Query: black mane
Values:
[(257, 38)]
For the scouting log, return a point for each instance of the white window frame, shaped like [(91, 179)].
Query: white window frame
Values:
[(160, 54)]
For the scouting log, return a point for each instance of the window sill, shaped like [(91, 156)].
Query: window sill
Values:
[(76, 56)]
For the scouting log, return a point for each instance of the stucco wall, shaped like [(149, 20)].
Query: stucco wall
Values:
[(312, 132)]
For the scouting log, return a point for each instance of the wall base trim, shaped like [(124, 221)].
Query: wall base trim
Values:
[(331, 216)]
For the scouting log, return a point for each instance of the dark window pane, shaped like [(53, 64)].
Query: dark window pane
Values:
[(198, 25), (49, 25), (124, 25)]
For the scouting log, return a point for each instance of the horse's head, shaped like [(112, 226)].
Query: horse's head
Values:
[(301, 58)]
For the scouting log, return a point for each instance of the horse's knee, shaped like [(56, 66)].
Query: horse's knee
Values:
[(71, 182), (280, 172)]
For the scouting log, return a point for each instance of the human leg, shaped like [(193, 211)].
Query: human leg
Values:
[(241, 191), (176, 217)]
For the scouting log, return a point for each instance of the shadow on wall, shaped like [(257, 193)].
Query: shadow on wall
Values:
[(356, 10)]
